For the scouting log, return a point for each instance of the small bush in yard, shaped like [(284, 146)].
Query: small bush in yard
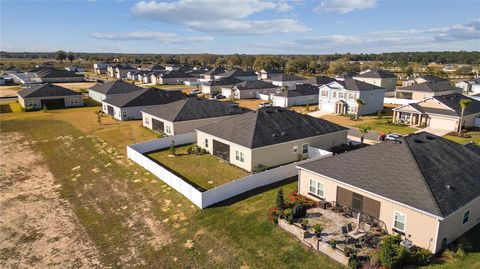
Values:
[(317, 228), (172, 148), (280, 200), (45, 110), (379, 115), (391, 254), (288, 215), (353, 262), (260, 168), (299, 210), (421, 256)]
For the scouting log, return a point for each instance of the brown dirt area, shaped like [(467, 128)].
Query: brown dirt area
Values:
[(37, 229), (9, 91)]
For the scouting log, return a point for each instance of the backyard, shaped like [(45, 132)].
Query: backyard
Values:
[(206, 171), (474, 134), (128, 218)]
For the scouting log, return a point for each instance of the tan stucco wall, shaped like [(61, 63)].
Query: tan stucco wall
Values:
[(388, 84), (451, 227), (421, 227), (283, 153)]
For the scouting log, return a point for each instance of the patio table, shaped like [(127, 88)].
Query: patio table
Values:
[(356, 235)]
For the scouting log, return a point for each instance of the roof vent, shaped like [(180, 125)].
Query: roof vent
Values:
[(268, 111), (429, 137), (280, 110), (274, 135), (450, 187), (417, 140), (284, 134)]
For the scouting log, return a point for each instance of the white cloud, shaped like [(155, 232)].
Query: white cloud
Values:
[(220, 16), (161, 37), (344, 6)]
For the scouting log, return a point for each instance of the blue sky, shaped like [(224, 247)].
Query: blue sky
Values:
[(240, 26)]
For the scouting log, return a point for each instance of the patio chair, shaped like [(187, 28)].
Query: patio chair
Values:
[(366, 228), (349, 227)]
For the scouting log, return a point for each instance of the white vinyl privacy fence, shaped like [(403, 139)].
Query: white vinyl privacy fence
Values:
[(398, 101), (203, 199)]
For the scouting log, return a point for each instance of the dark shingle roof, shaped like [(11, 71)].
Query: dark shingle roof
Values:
[(46, 90), (452, 101), (301, 90), (320, 80), (224, 81), (55, 73), (356, 85), (254, 84), (440, 86), (237, 72), (287, 77), (377, 73), (115, 87), (176, 74), (214, 71), (193, 109), (145, 97), (473, 147), (432, 78), (424, 171), (269, 126)]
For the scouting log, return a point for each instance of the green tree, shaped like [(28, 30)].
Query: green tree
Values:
[(464, 103), (71, 56), (363, 130), (360, 103), (464, 70), (61, 55), (172, 148), (280, 200), (409, 71)]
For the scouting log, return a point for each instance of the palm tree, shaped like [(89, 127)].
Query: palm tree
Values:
[(464, 103), (363, 130), (285, 94), (360, 103)]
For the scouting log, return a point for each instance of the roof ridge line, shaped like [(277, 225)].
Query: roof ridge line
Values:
[(423, 177), (255, 130), (183, 107)]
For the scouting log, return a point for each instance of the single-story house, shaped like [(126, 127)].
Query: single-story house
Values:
[(286, 80), (51, 75), (469, 87), (174, 78), (268, 73), (421, 91), (50, 96), (440, 112), (340, 97), (269, 136), (128, 106), (249, 89), (381, 78), (100, 92), (75, 68), (210, 75), (422, 79), (244, 75), (184, 116), (217, 85), (422, 187), (303, 94)]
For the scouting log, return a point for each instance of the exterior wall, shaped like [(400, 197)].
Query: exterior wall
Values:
[(62, 79), (133, 113), (373, 100), (174, 81), (452, 226), (253, 93), (290, 84), (421, 226), (469, 120), (247, 164), (209, 89), (295, 101), (37, 101), (283, 153), (96, 96), (416, 95), (227, 92)]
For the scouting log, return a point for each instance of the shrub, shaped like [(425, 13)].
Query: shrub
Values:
[(379, 115), (391, 254), (460, 253), (351, 116), (374, 258), (305, 223), (259, 168), (288, 215), (332, 243), (421, 256), (280, 200), (191, 149), (172, 148), (353, 262), (299, 210), (273, 214), (317, 228)]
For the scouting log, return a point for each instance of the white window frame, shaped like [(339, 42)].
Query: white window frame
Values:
[(305, 150), (295, 149), (205, 143), (168, 129), (73, 101), (463, 216), (146, 120), (316, 186), (239, 156), (404, 222), (32, 103), (124, 113)]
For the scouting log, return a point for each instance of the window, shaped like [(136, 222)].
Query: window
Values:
[(466, 216), (168, 129), (305, 148), (146, 120), (405, 116), (351, 96), (239, 156), (73, 101), (334, 94), (341, 95), (317, 188), (205, 143), (124, 113), (399, 221), (104, 107), (325, 93), (295, 149), (32, 103)]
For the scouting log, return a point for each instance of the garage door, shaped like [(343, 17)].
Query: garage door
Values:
[(443, 123), (158, 126), (53, 103), (221, 150)]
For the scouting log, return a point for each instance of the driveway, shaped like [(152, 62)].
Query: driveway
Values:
[(435, 131)]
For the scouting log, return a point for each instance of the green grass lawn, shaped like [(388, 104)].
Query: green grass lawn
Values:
[(474, 133), (206, 171), (381, 125)]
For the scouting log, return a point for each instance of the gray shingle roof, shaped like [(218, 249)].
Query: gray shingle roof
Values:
[(215, 71), (115, 87), (301, 90), (145, 97), (424, 171), (254, 84), (440, 86), (269, 126), (432, 78), (377, 73), (356, 85), (287, 77), (46, 90), (176, 74), (237, 72), (224, 81), (193, 109), (452, 101), (320, 80)]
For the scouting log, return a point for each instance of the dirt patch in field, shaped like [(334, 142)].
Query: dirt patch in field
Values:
[(76, 86), (37, 228), (7, 91)]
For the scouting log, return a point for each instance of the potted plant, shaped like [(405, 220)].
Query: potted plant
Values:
[(305, 224), (318, 228), (333, 244)]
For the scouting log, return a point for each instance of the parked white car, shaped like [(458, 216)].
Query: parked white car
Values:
[(265, 104), (393, 136)]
